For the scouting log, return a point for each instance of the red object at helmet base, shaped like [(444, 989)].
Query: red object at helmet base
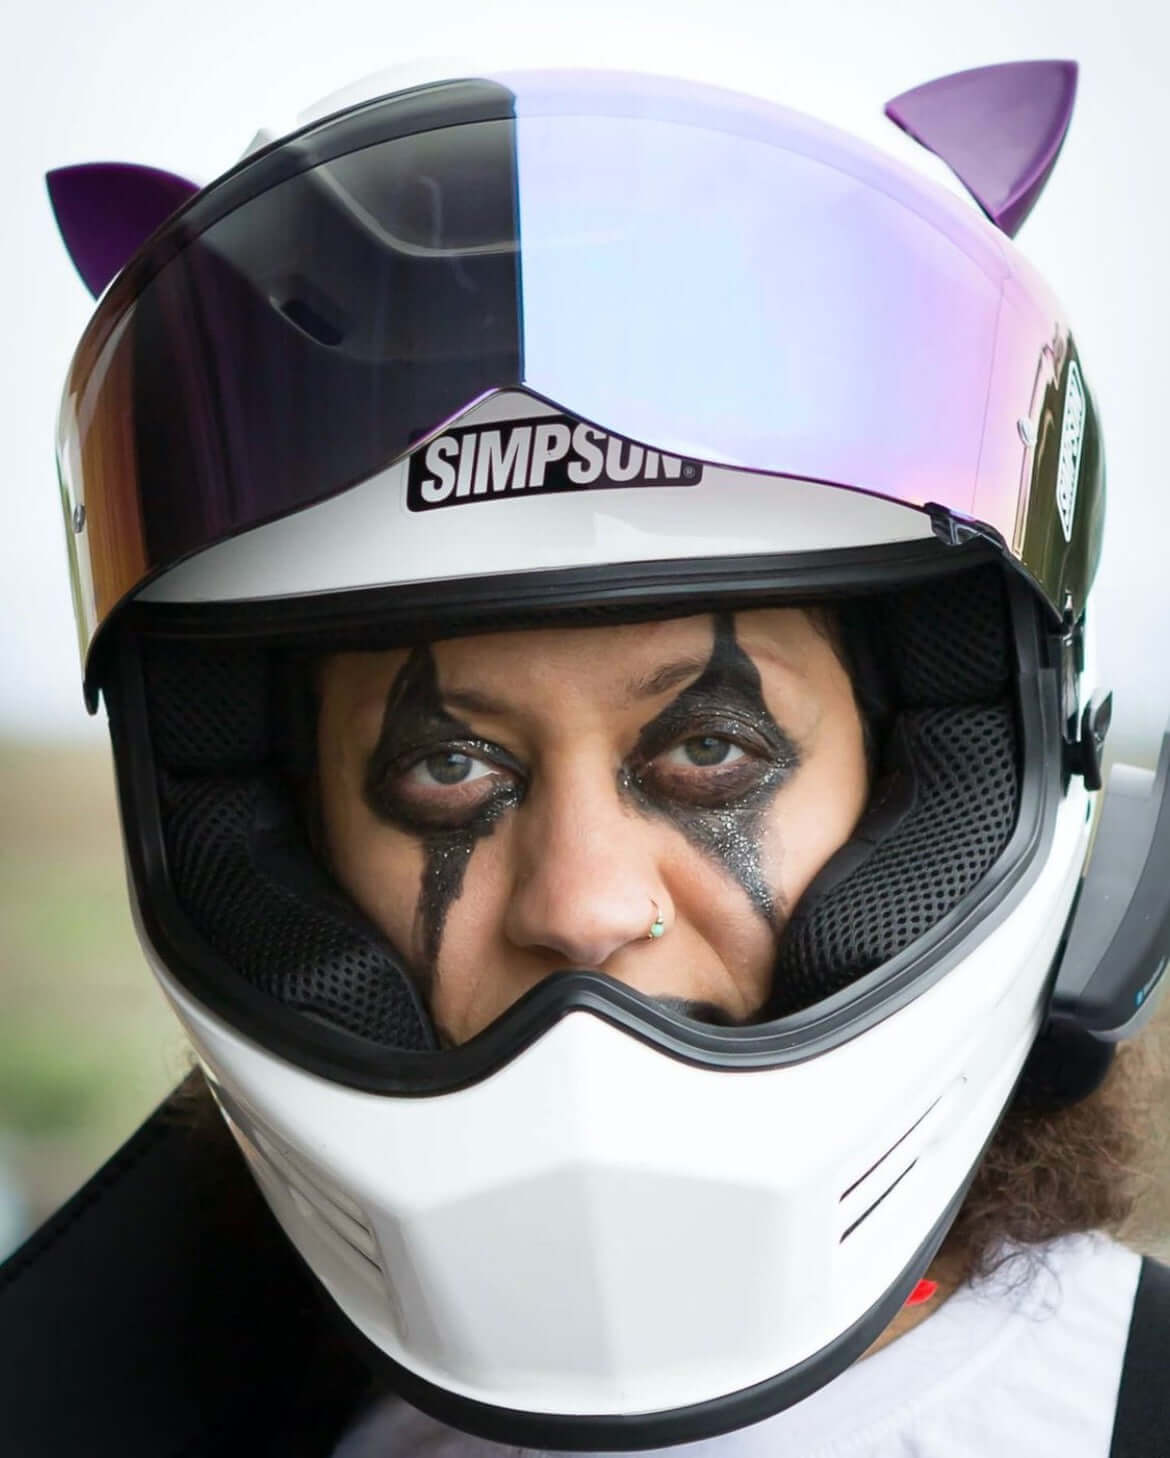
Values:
[(922, 1293)]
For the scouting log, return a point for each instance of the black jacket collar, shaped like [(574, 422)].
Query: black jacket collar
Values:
[(162, 1313)]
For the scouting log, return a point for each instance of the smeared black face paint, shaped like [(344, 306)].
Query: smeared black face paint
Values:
[(420, 736), (724, 814), (710, 764), (708, 1012)]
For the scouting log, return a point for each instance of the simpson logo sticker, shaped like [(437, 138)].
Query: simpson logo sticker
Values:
[(1072, 433), (555, 453)]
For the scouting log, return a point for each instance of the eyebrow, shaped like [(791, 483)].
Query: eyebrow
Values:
[(647, 686), (665, 678)]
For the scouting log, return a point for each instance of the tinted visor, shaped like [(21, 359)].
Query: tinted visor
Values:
[(697, 271), (294, 347)]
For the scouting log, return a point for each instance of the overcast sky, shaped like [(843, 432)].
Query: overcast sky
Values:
[(186, 90)]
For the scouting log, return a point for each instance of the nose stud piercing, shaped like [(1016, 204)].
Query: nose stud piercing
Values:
[(657, 926)]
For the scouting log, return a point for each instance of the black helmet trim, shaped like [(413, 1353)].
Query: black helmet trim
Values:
[(173, 855), (621, 591)]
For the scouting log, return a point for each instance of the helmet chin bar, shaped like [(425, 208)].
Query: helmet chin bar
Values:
[(550, 1278), (627, 1433), (524, 1225)]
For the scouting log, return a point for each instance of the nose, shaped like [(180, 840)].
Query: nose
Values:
[(587, 884)]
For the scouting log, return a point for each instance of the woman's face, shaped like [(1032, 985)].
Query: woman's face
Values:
[(507, 806)]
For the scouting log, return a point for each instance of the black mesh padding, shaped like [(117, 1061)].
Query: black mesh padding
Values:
[(933, 666), (946, 799), (948, 640), (209, 704), (960, 765), (246, 880)]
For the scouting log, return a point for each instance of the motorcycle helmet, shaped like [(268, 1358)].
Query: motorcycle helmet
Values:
[(562, 348)]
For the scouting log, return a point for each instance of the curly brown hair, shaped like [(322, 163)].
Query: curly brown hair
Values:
[(1054, 1170)]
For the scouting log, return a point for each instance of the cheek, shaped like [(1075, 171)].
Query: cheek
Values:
[(720, 936), (718, 949), (380, 868), (479, 973), (815, 815)]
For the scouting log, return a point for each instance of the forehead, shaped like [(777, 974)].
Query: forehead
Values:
[(611, 664)]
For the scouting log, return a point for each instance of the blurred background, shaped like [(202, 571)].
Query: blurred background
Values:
[(86, 1046)]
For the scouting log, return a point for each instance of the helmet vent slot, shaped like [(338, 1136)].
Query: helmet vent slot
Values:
[(861, 1178), (309, 1190), (866, 1213)]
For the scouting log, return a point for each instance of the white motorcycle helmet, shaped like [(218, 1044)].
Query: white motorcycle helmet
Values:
[(583, 347)]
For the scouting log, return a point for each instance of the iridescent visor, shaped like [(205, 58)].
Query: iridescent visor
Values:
[(700, 273)]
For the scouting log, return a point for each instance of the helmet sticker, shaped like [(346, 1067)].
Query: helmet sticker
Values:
[(553, 454), (1072, 433)]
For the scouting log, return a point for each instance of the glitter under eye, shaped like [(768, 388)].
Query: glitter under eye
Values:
[(428, 796), (713, 760)]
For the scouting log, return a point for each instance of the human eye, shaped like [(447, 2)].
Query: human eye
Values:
[(704, 751), (708, 768), (444, 788), (448, 767)]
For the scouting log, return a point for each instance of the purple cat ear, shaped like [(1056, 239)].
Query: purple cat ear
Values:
[(107, 210), (998, 128)]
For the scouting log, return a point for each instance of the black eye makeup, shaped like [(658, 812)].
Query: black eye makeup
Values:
[(712, 762), (446, 786), (717, 764), (431, 776), (709, 763)]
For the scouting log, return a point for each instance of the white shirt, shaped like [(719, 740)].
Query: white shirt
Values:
[(1013, 1366)]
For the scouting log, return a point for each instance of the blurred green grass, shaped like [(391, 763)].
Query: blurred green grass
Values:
[(87, 1045)]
